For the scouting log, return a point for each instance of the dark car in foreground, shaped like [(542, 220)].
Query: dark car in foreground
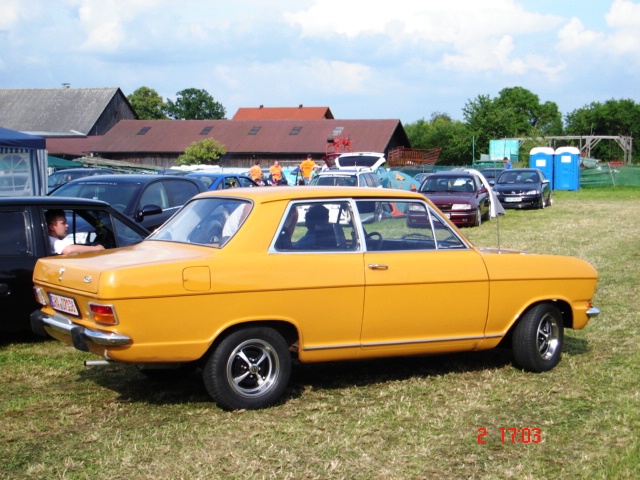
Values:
[(148, 199), (523, 188), (25, 239), (61, 177), (459, 195)]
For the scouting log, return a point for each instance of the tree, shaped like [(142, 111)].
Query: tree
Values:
[(442, 132), (614, 117), (195, 104), (147, 104), (204, 152), (515, 113)]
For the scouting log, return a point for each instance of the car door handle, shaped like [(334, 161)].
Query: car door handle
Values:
[(378, 266)]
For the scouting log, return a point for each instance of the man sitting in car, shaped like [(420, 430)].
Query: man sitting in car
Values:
[(60, 242)]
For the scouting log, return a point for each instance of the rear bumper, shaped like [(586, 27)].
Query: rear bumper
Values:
[(57, 325)]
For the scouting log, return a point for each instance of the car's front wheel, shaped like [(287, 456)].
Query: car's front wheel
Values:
[(249, 369), (538, 339), (478, 220)]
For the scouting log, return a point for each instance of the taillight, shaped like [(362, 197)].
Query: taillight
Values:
[(41, 298), (104, 314)]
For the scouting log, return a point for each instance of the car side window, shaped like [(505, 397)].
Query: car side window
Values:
[(317, 227), (13, 240), (155, 194), (404, 226), (180, 192), (245, 182)]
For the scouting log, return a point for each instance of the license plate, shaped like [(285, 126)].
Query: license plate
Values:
[(513, 199), (63, 304)]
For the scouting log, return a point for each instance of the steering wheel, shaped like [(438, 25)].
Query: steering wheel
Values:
[(374, 240), (104, 237)]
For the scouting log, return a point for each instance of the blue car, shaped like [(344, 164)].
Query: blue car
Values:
[(221, 181)]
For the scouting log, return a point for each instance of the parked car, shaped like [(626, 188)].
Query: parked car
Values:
[(419, 178), (491, 174), (25, 238), (460, 196), (347, 177), (148, 199), (60, 177), (235, 285), (220, 181), (523, 188)]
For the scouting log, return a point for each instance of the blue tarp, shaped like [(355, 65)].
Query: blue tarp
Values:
[(13, 139)]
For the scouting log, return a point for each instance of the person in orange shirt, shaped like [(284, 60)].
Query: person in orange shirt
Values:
[(306, 167), (256, 172), (275, 171)]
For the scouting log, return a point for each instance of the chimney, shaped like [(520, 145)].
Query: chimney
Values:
[(300, 106), (261, 106)]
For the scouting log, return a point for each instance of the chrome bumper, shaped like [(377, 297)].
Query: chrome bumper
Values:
[(81, 336), (593, 312)]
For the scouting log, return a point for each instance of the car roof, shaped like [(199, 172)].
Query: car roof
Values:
[(454, 173), (276, 194), (215, 174), (128, 178), (76, 170), (51, 201)]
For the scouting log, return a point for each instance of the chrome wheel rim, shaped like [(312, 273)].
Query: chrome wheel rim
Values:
[(548, 336), (252, 368)]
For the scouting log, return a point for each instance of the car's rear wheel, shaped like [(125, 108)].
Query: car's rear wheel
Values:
[(538, 339), (249, 369)]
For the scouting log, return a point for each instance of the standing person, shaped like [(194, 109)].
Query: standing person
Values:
[(306, 167), (275, 172), (58, 241), (256, 172), (507, 163)]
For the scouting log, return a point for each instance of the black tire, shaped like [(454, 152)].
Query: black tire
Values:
[(249, 369), (478, 221), (542, 203), (538, 339), (169, 374)]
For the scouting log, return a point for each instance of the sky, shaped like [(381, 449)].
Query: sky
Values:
[(364, 59)]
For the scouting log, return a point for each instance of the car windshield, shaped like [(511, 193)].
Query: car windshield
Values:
[(118, 195), (335, 180), (205, 221), (448, 184), (518, 177)]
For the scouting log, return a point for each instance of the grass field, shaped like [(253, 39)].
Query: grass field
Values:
[(406, 418)]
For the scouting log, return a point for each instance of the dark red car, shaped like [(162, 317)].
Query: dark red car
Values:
[(460, 196)]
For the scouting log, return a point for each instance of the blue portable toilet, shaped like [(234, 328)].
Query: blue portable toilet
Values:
[(542, 159), (566, 168)]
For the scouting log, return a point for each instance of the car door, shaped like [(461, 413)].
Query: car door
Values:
[(324, 279), (169, 193), (425, 289), (19, 251)]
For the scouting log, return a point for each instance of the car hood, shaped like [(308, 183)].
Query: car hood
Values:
[(450, 197), (111, 271), (503, 266), (516, 187)]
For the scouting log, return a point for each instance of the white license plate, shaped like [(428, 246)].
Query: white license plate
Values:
[(63, 304), (513, 199)]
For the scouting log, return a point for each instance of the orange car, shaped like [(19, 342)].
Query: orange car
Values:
[(240, 282)]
